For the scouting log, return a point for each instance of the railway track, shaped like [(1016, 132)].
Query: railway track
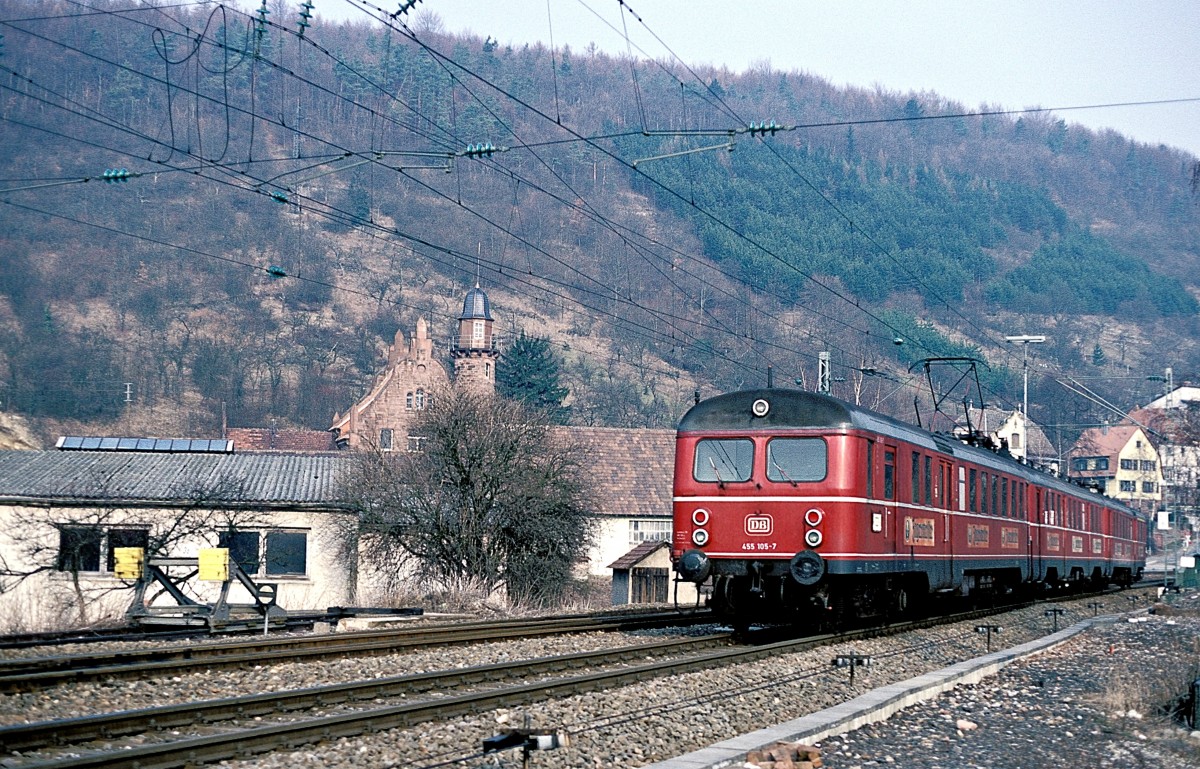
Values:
[(34, 673), (188, 750)]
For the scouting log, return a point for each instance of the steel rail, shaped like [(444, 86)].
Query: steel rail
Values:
[(193, 751), (31, 674), (44, 734)]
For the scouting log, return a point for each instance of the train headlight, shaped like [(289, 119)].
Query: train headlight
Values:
[(700, 516), (694, 566), (813, 538), (700, 537), (760, 407), (814, 516)]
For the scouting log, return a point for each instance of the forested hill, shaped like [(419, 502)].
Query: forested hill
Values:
[(206, 210)]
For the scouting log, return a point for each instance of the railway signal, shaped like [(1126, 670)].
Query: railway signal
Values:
[(852, 661), (989, 629)]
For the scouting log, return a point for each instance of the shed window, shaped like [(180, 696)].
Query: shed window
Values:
[(126, 538), (79, 548), (243, 548), (287, 553)]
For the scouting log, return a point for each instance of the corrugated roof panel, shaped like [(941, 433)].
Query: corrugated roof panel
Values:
[(250, 478)]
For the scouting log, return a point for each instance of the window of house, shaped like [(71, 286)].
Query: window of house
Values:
[(722, 460), (1129, 464), (1128, 485), (79, 548), (793, 460), (125, 538), (1148, 487), (416, 443), (1014, 441), (385, 438), (649, 531), (419, 400), (1148, 464), (408, 400), (1101, 463)]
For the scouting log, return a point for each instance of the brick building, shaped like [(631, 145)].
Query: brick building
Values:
[(413, 373)]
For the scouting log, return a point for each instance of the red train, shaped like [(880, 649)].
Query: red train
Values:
[(792, 501)]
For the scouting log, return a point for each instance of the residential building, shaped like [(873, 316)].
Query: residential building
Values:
[(1122, 461)]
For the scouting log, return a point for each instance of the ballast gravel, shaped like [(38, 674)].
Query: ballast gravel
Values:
[(1081, 704), (626, 727)]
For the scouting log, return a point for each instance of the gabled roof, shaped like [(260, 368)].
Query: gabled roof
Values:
[(637, 554), (80, 477), (631, 470), (1105, 441)]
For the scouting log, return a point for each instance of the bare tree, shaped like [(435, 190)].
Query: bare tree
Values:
[(492, 497)]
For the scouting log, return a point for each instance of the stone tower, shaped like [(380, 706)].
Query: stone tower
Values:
[(474, 349)]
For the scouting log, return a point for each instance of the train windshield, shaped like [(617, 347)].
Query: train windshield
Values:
[(722, 460), (793, 460)]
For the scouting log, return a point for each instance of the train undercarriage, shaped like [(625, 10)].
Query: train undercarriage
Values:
[(771, 593)]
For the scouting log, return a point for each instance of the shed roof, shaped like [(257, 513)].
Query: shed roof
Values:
[(638, 554), (141, 478)]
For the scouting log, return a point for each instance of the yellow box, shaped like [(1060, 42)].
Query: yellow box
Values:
[(128, 562), (214, 564)]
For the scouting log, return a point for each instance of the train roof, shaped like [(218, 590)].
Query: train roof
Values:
[(788, 409)]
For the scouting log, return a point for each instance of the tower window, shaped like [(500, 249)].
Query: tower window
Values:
[(408, 400), (487, 370), (477, 329)]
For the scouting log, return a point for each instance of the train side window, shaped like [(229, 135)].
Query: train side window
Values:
[(928, 480), (1004, 497), (723, 460), (916, 478), (962, 489), (870, 469), (983, 494), (974, 490), (995, 495), (889, 474), (792, 460)]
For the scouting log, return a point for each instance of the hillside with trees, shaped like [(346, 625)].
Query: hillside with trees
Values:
[(210, 217)]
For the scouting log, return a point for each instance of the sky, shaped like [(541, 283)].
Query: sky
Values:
[(1012, 54)]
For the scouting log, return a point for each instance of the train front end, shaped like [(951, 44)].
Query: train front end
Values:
[(758, 492)]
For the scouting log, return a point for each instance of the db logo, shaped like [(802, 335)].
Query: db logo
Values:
[(759, 525)]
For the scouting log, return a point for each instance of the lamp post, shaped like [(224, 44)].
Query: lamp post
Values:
[(1025, 340)]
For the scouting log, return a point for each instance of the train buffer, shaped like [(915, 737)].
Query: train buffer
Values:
[(159, 596)]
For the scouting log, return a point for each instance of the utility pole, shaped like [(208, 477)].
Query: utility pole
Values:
[(1025, 340)]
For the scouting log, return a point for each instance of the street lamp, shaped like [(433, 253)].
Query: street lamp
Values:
[(1025, 340)]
